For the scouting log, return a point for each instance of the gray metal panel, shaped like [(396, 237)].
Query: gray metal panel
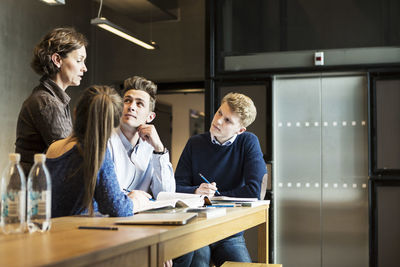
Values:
[(296, 110), (320, 157), (344, 131), (344, 171), (297, 171), (333, 57)]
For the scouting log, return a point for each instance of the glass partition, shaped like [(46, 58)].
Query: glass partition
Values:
[(265, 26)]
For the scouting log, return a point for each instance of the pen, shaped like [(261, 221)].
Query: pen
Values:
[(204, 178), (98, 228)]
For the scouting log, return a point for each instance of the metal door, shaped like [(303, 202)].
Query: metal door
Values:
[(320, 170)]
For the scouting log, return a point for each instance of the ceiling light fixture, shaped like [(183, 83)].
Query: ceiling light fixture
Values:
[(115, 29), (54, 2), (111, 27)]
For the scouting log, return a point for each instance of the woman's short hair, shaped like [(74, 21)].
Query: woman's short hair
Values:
[(61, 41), (243, 106), (142, 84)]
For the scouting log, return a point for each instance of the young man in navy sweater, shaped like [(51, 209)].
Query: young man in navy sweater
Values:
[(231, 159)]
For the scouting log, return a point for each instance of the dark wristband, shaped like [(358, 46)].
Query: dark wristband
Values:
[(162, 152)]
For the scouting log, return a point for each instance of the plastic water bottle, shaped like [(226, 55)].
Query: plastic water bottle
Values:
[(13, 197), (39, 196)]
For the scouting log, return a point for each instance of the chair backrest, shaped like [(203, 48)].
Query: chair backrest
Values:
[(264, 184)]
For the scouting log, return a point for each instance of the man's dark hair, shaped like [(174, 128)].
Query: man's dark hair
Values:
[(142, 84)]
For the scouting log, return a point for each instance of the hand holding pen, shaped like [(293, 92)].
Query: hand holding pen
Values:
[(207, 188), (140, 199)]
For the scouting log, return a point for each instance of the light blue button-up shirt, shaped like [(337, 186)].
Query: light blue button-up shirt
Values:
[(226, 143), (138, 168)]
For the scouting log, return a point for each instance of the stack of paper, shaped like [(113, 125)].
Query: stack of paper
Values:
[(206, 212)]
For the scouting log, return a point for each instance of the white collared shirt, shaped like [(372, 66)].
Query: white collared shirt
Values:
[(226, 143), (138, 168)]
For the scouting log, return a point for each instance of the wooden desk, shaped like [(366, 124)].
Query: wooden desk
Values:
[(65, 245)]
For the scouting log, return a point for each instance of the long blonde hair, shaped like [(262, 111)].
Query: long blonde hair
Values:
[(98, 111)]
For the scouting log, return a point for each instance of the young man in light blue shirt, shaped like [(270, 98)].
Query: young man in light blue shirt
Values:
[(141, 160)]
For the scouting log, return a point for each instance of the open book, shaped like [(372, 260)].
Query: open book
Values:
[(176, 200), (184, 200)]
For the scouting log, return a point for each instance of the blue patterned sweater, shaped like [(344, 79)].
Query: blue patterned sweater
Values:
[(68, 187)]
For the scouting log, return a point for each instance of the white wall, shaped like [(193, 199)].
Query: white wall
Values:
[(181, 105)]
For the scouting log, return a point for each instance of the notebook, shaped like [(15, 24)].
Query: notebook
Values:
[(159, 218)]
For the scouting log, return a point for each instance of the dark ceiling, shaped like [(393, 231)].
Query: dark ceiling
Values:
[(144, 11)]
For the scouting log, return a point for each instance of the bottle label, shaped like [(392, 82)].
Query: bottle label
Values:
[(37, 203), (11, 204)]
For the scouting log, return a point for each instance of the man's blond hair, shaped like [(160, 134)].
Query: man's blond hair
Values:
[(243, 106)]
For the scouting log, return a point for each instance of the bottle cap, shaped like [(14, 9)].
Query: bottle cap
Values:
[(14, 157), (40, 158)]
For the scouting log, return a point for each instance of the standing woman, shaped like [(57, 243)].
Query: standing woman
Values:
[(45, 116)]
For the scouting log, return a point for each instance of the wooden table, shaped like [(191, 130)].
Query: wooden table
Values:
[(146, 245), (241, 264)]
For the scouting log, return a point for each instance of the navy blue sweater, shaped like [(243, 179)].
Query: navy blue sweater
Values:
[(237, 169)]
